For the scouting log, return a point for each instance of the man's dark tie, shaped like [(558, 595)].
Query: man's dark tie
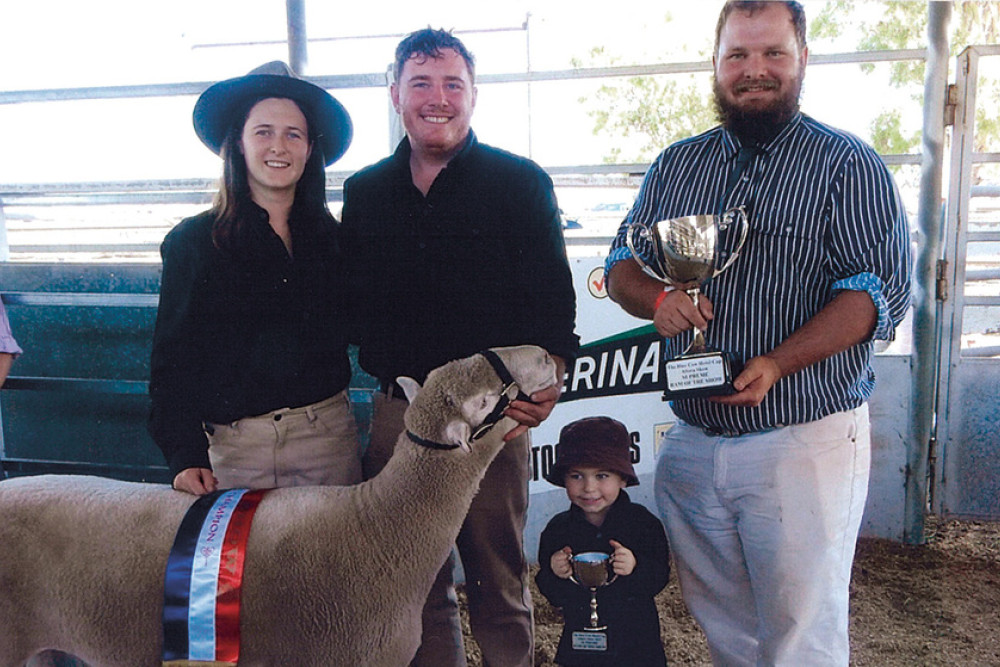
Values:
[(743, 159)]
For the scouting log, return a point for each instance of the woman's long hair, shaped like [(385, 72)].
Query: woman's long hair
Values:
[(232, 204)]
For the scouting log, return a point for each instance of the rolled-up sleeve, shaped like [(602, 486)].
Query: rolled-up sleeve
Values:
[(871, 247), (641, 212)]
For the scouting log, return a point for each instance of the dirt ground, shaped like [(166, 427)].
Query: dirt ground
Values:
[(934, 604)]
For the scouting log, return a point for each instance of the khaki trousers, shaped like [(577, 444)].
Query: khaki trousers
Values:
[(491, 545), (315, 445)]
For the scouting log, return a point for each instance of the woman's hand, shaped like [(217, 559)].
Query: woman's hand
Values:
[(197, 481)]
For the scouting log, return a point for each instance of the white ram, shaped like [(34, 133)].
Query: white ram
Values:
[(334, 575)]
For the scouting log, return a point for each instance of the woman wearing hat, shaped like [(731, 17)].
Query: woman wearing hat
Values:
[(249, 367), (593, 463)]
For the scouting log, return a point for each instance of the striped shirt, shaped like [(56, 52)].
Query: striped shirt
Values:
[(824, 216)]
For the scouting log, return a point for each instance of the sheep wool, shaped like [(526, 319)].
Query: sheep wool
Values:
[(332, 573)]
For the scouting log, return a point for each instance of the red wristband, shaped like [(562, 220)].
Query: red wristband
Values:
[(663, 295)]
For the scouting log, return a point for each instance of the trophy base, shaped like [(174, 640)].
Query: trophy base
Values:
[(588, 640), (700, 374)]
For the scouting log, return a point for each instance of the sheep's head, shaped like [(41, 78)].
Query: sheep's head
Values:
[(459, 396)]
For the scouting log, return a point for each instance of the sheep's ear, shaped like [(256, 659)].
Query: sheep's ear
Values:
[(458, 433), (410, 387)]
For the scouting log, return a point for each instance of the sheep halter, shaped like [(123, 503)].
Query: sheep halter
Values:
[(509, 386)]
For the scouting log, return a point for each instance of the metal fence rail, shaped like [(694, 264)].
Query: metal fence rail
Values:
[(199, 191), (79, 299), (380, 79)]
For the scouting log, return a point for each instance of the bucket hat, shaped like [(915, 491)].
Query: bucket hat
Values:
[(215, 110), (593, 442)]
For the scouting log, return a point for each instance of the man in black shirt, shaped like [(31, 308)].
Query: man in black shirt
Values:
[(454, 246)]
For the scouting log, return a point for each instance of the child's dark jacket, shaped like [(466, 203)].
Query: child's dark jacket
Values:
[(625, 606)]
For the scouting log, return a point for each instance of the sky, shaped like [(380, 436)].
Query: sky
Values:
[(62, 43)]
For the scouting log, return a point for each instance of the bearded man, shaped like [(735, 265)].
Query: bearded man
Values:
[(762, 491)]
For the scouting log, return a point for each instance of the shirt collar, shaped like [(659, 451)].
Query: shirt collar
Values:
[(622, 501), (402, 153), (731, 143), (462, 155), (301, 226)]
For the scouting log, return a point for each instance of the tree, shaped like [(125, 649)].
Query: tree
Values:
[(655, 111), (903, 25)]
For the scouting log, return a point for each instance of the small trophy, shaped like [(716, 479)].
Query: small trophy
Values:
[(590, 570), (686, 254)]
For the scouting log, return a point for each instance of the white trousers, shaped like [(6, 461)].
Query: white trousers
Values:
[(763, 529)]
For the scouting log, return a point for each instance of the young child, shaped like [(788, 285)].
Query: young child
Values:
[(593, 464)]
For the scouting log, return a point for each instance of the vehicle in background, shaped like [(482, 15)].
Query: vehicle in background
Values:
[(612, 209), (569, 223), (604, 219)]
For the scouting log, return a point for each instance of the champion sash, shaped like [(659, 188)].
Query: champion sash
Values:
[(201, 591)]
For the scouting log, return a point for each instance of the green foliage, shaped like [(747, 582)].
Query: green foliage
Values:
[(646, 113), (654, 111), (889, 136), (902, 24)]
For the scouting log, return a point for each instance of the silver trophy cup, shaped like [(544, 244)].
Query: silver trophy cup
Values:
[(685, 253), (590, 570)]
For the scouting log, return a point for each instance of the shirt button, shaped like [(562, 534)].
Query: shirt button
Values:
[(277, 418)]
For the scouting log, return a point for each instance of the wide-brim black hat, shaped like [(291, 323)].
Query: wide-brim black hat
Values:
[(215, 110), (593, 442)]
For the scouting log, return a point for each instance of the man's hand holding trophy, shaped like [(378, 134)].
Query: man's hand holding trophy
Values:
[(685, 253)]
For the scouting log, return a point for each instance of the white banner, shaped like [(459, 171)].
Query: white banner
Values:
[(618, 374)]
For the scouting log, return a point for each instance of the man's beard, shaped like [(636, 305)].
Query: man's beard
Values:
[(758, 125)]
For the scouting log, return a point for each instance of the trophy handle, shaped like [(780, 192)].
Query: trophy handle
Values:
[(642, 230), (738, 213)]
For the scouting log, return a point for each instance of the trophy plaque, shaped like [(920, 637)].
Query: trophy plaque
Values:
[(686, 253)]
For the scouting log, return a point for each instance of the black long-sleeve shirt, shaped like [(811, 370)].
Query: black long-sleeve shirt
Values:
[(479, 262), (626, 605), (245, 332)]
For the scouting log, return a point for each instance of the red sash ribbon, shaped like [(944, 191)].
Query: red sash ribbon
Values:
[(203, 581)]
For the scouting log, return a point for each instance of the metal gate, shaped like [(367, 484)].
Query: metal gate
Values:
[(966, 468)]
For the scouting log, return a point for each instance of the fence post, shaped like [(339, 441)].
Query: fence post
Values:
[(926, 328)]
